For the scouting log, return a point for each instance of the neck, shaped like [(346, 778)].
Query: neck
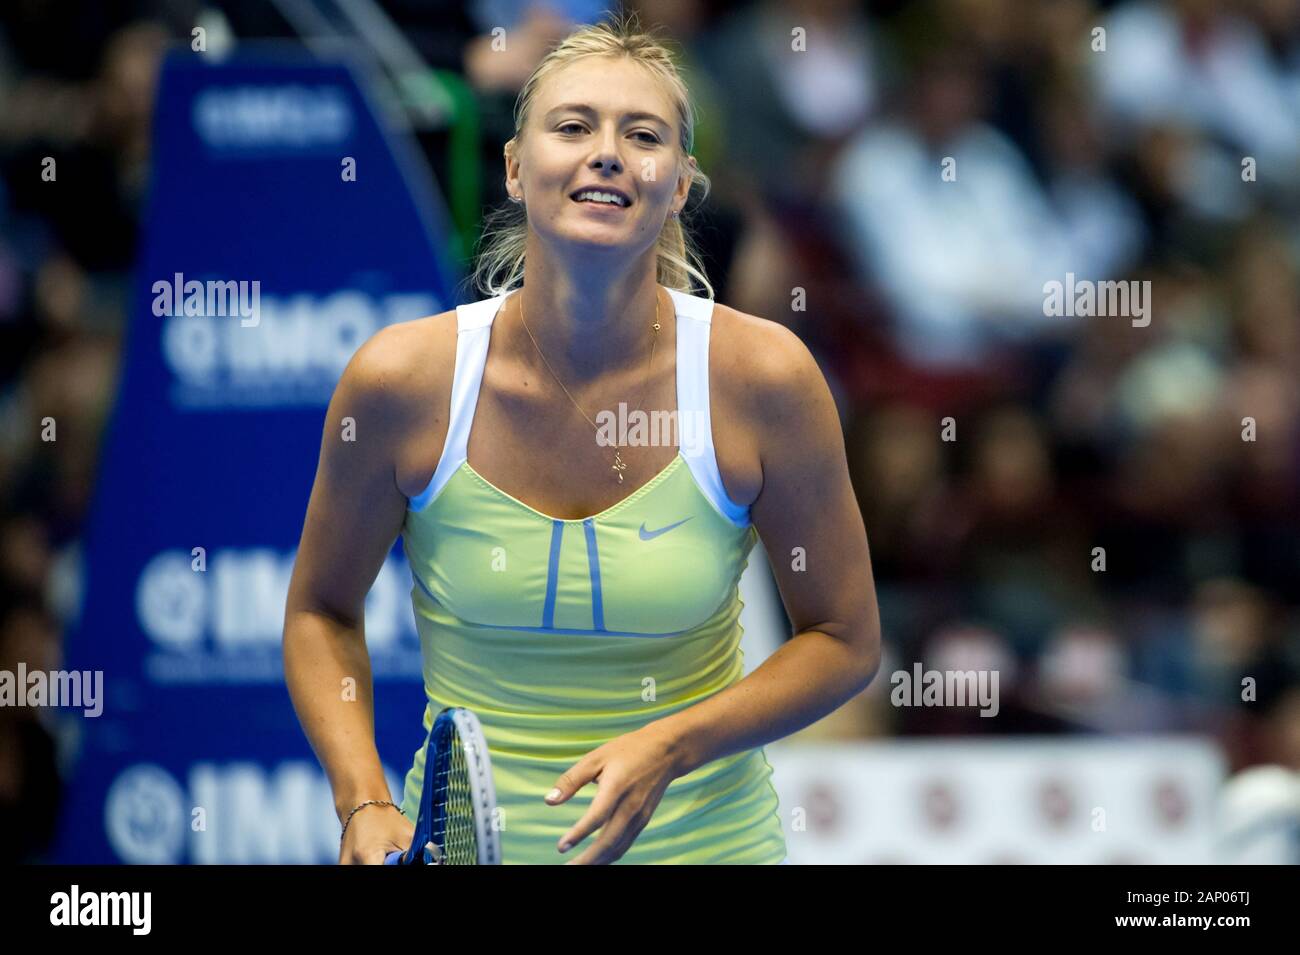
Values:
[(589, 325)]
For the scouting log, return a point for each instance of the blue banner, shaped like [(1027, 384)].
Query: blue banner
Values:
[(285, 226)]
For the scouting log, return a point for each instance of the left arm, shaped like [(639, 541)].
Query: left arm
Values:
[(808, 518)]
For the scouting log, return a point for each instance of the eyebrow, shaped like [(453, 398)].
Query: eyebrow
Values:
[(588, 111)]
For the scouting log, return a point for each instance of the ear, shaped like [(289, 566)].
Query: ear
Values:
[(510, 153), (687, 176)]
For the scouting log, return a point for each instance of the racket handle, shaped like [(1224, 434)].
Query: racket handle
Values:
[(393, 858)]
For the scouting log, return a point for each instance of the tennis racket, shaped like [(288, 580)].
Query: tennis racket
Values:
[(455, 825)]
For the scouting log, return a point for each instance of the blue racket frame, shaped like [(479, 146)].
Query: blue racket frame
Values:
[(454, 726), (437, 756)]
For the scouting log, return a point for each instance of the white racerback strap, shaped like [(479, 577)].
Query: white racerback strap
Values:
[(473, 328), (694, 422)]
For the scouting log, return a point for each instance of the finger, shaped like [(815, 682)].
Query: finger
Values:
[(377, 853), (572, 779), (615, 839), (403, 846), (597, 814), (348, 853)]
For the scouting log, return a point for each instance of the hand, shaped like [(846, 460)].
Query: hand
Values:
[(632, 771), (375, 832)]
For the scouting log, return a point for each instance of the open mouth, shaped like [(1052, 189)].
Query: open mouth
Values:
[(607, 198)]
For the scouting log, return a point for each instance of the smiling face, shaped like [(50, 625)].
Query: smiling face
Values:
[(602, 124)]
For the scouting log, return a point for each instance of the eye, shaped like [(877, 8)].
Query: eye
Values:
[(569, 125), (646, 132)]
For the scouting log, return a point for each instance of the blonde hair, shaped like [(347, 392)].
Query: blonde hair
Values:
[(500, 264)]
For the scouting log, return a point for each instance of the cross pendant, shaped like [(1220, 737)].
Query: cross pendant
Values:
[(618, 466)]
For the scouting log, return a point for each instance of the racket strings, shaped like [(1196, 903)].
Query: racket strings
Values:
[(455, 831)]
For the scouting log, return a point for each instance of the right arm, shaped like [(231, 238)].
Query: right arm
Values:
[(354, 514)]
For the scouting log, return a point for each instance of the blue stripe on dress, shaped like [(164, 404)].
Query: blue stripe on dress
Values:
[(593, 565), (552, 574)]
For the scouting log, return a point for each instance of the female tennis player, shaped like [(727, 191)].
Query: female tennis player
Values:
[(575, 586)]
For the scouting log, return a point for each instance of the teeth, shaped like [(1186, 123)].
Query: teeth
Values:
[(600, 197)]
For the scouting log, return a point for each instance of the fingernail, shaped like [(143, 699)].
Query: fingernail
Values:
[(565, 846), (553, 795)]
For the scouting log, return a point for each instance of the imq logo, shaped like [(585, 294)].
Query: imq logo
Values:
[(224, 624), (226, 813), (293, 354)]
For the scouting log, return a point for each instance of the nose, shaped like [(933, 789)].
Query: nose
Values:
[(606, 155)]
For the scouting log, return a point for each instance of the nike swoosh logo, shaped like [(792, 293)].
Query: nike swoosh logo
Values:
[(651, 535)]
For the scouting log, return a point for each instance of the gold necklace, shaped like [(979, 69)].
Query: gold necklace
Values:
[(618, 466)]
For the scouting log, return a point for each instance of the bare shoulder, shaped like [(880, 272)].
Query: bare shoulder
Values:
[(767, 394), (400, 381), (400, 367), (761, 364)]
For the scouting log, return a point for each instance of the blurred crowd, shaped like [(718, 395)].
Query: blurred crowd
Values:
[(1107, 513)]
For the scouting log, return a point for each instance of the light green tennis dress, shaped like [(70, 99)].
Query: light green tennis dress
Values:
[(564, 634)]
